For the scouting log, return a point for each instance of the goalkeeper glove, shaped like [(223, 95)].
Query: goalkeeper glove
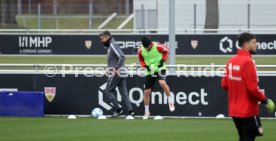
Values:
[(161, 64), (270, 106)]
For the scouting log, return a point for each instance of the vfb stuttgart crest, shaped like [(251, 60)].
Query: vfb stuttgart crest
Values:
[(50, 93), (88, 44), (194, 43)]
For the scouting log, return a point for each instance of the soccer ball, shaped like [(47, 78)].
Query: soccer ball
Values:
[(96, 112)]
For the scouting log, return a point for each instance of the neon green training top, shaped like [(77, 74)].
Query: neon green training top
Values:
[(152, 59)]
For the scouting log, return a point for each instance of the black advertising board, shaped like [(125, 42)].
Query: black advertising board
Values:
[(194, 96), (198, 44)]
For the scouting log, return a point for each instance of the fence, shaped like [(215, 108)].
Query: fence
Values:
[(192, 15), (88, 15), (79, 17), (149, 16)]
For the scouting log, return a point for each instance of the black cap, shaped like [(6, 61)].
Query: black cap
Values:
[(146, 41), (106, 32)]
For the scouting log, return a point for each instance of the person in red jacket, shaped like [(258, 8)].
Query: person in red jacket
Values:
[(241, 82)]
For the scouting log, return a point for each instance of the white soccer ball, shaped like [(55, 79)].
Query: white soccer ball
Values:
[(96, 112)]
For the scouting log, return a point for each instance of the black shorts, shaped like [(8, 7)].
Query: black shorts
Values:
[(151, 79), (248, 128)]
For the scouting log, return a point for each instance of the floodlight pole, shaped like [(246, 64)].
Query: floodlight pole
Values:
[(172, 34)]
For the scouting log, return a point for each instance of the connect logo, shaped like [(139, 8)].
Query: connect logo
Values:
[(198, 97), (226, 45)]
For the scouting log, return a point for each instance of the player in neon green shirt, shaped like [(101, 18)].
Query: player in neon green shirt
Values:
[(153, 56)]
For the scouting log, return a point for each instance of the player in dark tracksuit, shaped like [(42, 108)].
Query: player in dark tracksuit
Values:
[(241, 83), (116, 74)]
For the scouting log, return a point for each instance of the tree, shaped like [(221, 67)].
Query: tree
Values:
[(212, 15), (8, 12)]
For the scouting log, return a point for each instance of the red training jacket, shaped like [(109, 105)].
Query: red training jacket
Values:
[(241, 82)]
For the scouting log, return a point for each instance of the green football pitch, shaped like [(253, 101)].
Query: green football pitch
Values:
[(73, 59), (89, 129), (196, 60)]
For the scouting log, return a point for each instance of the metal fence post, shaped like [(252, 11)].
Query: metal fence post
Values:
[(194, 18), (248, 17), (30, 7), (127, 7), (55, 6), (39, 16), (90, 13), (143, 18), (119, 6), (172, 34), (19, 7)]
